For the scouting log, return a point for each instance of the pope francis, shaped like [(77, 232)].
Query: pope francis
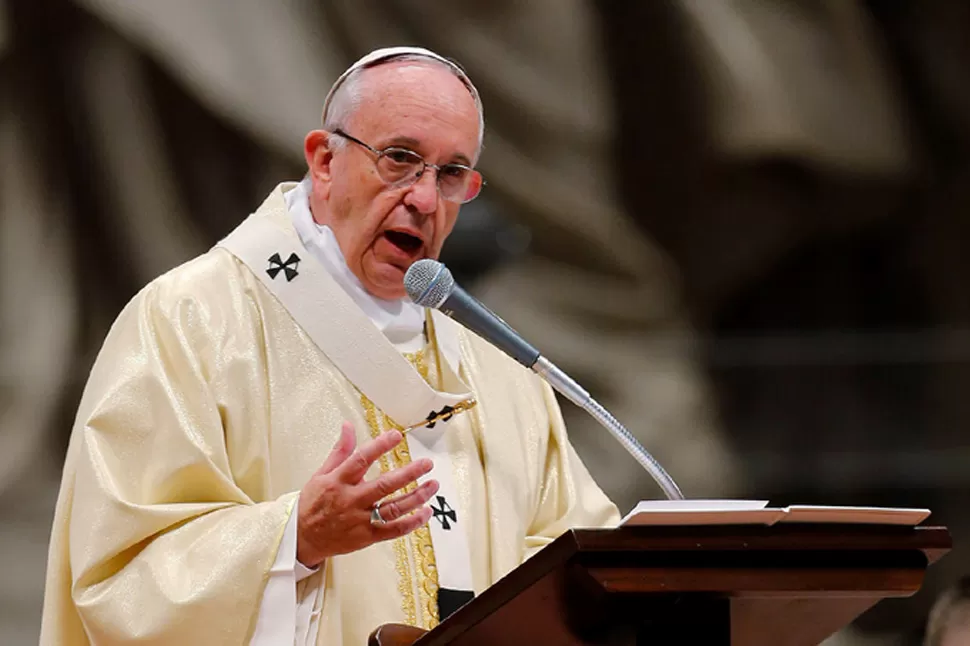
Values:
[(276, 447)]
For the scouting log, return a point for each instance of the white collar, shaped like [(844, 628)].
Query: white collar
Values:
[(401, 321)]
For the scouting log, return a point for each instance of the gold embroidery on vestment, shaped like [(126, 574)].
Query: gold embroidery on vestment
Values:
[(427, 574), (405, 583)]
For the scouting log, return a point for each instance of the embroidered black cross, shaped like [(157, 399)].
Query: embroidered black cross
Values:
[(444, 512), (276, 265), (445, 415)]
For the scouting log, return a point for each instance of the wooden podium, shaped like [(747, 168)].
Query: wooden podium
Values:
[(784, 585)]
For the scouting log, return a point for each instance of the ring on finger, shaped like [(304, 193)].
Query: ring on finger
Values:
[(375, 516)]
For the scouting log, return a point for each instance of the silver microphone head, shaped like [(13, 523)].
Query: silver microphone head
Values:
[(428, 283)]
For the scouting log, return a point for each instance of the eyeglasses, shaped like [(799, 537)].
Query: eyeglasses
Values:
[(400, 167)]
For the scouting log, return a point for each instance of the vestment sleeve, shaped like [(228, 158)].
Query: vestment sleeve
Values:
[(171, 534), (569, 497), (282, 619)]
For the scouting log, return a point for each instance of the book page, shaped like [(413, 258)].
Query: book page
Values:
[(702, 512), (855, 515), (757, 512)]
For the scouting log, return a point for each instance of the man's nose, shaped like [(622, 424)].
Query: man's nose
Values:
[(423, 194)]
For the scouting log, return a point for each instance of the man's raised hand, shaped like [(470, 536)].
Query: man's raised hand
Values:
[(334, 513)]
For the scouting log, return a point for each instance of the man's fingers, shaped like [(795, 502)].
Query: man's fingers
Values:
[(401, 505), (371, 492), (353, 468), (341, 450), (402, 526)]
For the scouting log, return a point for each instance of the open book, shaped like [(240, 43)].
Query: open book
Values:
[(757, 512)]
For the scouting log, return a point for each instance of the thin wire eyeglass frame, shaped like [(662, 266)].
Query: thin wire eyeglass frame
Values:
[(424, 165)]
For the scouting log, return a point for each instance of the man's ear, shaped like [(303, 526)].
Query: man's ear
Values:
[(316, 149)]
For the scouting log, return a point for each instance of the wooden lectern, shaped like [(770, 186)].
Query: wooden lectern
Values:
[(784, 585)]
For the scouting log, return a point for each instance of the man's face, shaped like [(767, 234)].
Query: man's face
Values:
[(381, 229)]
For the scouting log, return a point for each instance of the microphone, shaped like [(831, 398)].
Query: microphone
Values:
[(430, 284)]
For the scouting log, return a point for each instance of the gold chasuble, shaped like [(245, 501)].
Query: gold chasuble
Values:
[(219, 391)]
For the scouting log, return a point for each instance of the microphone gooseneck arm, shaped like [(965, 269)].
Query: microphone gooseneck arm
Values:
[(430, 284), (565, 385)]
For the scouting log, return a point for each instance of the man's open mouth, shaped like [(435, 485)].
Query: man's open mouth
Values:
[(406, 242)]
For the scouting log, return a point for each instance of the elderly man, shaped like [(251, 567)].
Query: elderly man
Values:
[(275, 446)]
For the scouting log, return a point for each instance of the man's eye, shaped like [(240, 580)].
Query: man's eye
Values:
[(400, 156), (453, 171)]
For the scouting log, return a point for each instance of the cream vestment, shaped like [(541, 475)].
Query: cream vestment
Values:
[(220, 390)]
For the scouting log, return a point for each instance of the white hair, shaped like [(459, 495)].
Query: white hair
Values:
[(346, 94)]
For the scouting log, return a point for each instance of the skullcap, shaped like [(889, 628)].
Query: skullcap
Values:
[(388, 54)]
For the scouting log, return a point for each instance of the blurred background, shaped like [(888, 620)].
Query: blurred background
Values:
[(741, 223)]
